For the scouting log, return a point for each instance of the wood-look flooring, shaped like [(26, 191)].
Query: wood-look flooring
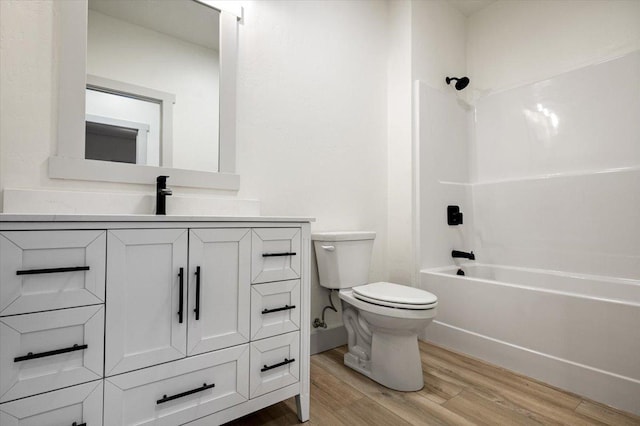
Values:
[(458, 391)]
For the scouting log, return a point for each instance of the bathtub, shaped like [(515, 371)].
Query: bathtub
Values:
[(578, 332)]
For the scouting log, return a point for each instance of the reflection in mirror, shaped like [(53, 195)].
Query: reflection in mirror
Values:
[(152, 94)]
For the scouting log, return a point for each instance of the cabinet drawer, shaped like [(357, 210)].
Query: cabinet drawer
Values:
[(44, 270), (275, 308), (37, 353), (180, 391), (275, 254), (75, 405), (275, 363)]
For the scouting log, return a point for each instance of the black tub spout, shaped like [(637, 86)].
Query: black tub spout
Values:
[(463, 255)]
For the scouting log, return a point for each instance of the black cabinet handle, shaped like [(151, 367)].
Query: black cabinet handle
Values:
[(286, 253), (31, 355), (284, 308), (197, 309), (280, 364), (51, 270), (78, 424), (166, 398), (181, 297)]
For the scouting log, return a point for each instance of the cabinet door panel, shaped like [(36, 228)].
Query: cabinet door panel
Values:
[(51, 337), (77, 404), (276, 254), (143, 293), (178, 392), (39, 251), (223, 256)]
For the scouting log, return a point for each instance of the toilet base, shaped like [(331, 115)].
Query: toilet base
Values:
[(404, 372)]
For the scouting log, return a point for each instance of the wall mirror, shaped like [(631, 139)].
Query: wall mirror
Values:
[(147, 87)]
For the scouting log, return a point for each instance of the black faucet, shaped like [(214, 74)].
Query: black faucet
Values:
[(463, 254), (161, 194)]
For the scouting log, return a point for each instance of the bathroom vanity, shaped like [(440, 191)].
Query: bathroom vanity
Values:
[(168, 320)]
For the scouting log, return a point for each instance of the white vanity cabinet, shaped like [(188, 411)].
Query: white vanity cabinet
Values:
[(123, 320)]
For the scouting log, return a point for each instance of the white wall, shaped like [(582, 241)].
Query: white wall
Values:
[(312, 120), (400, 251), (515, 42)]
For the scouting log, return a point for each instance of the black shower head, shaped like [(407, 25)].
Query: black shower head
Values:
[(461, 82)]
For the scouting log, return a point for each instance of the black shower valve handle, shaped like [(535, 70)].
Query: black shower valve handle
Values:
[(454, 215)]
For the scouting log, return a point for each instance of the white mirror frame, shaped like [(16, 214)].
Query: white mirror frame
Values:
[(69, 161)]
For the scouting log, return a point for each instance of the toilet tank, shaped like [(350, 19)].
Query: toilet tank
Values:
[(343, 257)]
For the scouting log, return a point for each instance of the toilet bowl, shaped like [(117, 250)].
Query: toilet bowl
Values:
[(382, 319)]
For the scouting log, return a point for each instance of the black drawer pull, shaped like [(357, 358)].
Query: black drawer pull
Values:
[(31, 355), (166, 398), (78, 424), (181, 297), (287, 253), (284, 308), (51, 270), (197, 308), (280, 364)]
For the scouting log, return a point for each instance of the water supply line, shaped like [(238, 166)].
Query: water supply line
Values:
[(321, 322)]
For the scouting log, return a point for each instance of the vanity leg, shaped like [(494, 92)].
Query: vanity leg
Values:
[(302, 405)]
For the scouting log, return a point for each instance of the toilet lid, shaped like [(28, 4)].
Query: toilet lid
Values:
[(395, 295)]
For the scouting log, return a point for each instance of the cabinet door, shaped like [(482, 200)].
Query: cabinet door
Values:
[(78, 405), (219, 304), (276, 254), (143, 325), (50, 350), (45, 270)]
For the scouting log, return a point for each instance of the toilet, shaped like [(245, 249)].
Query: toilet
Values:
[(382, 319)]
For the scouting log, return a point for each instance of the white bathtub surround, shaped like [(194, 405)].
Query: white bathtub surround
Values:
[(583, 120), (582, 223), (577, 332), (442, 135), (552, 178)]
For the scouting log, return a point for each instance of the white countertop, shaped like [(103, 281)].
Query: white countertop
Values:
[(11, 217)]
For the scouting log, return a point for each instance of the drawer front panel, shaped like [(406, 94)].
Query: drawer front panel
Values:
[(275, 254), (275, 363), (77, 404), (275, 308), (138, 397), (38, 354), (45, 270)]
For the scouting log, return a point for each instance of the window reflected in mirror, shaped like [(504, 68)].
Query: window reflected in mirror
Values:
[(154, 64)]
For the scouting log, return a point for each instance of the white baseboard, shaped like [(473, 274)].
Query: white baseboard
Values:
[(603, 386), (325, 339)]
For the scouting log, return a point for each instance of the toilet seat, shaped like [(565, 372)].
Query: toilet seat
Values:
[(395, 296)]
